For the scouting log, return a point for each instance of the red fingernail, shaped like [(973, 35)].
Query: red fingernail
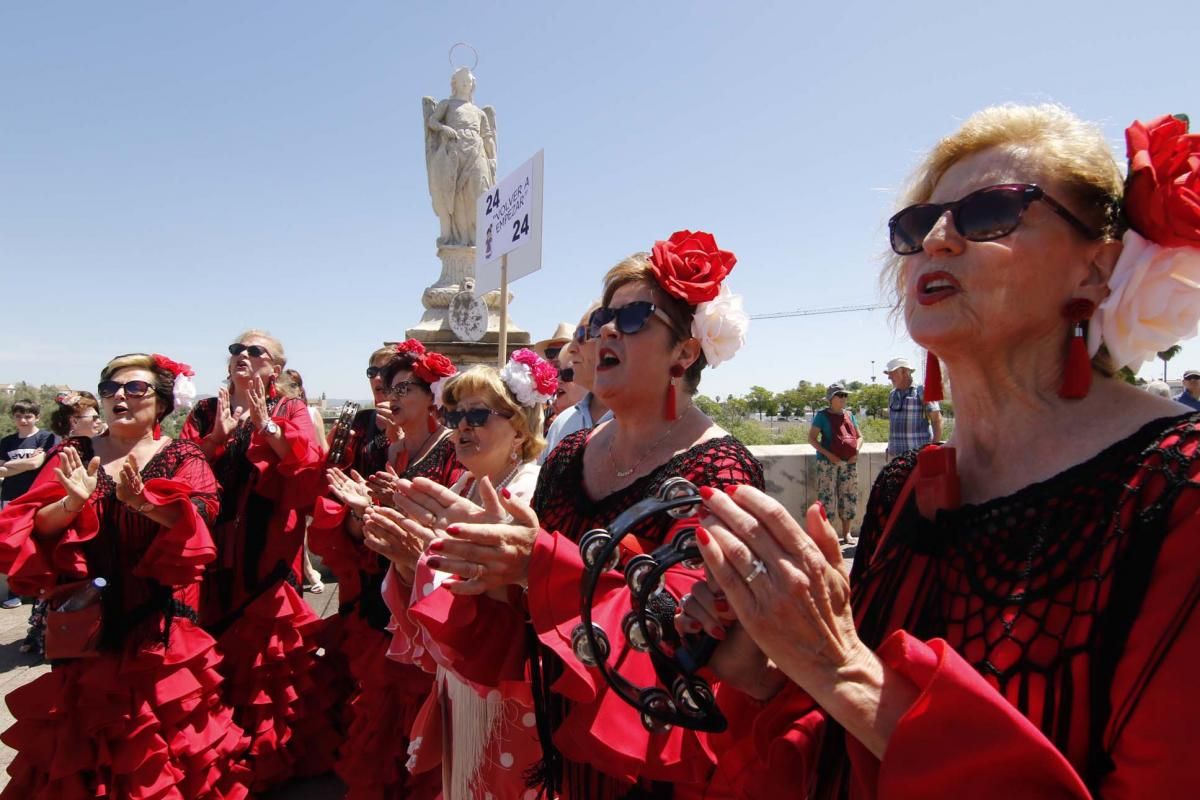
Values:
[(505, 493), (722, 606), (717, 633), (706, 492), (452, 530), (821, 506), (694, 627), (701, 535), (436, 544), (731, 488), (435, 563)]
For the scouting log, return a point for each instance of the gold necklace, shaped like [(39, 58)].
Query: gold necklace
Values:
[(626, 473)]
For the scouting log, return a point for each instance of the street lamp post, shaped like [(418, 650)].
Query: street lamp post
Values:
[(873, 378)]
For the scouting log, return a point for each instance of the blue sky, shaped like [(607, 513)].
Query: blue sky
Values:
[(171, 174)]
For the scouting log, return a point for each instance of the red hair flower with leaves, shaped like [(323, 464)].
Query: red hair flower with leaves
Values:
[(432, 367), (690, 266), (410, 347)]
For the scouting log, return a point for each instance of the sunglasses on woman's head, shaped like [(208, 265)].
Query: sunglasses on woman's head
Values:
[(401, 388), (630, 318), (982, 216), (255, 351), (475, 417), (132, 388)]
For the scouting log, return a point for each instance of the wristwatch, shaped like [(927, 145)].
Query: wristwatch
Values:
[(270, 428)]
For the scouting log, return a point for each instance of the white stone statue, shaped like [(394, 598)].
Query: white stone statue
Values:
[(460, 154)]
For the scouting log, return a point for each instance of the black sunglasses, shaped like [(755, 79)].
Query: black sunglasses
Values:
[(552, 352), (566, 375), (581, 333), (255, 351), (475, 417), (630, 318), (982, 216), (373, 372), (132, 388)]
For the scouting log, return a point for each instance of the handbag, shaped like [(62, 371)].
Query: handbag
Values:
[(72, 634)]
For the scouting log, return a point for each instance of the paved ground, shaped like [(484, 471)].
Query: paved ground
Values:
[(17, 669)]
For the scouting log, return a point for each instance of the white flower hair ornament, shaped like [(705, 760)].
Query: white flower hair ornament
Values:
[(436, 389), (531, 379), (721, 324), (1153, 302), (183, 389)]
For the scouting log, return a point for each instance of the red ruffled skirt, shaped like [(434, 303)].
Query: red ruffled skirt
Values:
[(146, 724), (281, 690), (380, 714)]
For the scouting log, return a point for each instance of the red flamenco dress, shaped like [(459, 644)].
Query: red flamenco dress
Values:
[(386, 694), (143, 719), (599, 750), (1052, 634), (280, 688)]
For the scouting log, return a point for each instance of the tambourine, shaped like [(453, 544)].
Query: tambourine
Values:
[(342, 439), (649, 626)]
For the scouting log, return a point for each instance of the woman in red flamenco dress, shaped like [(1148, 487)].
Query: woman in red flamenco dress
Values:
[(654, 338), (386, 694), (142, 717), (260, 442)]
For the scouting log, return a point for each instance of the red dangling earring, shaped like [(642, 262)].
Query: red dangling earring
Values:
[(933, 378), (433, 423), (272, 392), (157, 431), (670, 413), (1077, 374)]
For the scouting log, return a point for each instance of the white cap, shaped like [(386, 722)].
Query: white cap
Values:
[(897, 363)]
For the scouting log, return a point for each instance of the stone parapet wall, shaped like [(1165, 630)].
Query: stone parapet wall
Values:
[(791, 474)]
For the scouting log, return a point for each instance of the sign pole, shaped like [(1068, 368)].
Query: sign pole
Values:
[(502, 357)]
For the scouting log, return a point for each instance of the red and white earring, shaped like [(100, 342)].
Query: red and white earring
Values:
[(1077, 372), (670, 412)]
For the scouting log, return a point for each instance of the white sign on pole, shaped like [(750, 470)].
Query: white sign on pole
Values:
[(508, 221)]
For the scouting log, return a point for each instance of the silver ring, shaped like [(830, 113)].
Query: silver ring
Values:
[(759, 569)]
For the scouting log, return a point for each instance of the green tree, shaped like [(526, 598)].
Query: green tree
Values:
[(1167, 355), (763, 401), (791, 403), (873, 397)]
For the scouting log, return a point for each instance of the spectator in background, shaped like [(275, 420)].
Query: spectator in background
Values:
[(21, 456), (78, 414), (551, 348), (1190, 396), (834, 433), (912, 423), (1160, 388), (590, 411)]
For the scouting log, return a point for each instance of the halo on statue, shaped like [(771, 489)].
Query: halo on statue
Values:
[(457, 45)]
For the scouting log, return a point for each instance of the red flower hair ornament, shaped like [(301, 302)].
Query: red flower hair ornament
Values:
[(183, 389), (689, 266), (1154, 290)]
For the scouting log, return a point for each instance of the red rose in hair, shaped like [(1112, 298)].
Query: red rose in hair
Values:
[(432, 367), (690, 266), (173, 367), (1162, 192), (410, 347)]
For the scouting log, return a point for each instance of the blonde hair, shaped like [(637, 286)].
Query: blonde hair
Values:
[(637, 269), (1051, 139), (485, 381), (384, 354), (283, 382), (164, 380)]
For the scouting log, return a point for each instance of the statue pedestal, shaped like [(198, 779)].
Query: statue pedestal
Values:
[(458, 264)]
